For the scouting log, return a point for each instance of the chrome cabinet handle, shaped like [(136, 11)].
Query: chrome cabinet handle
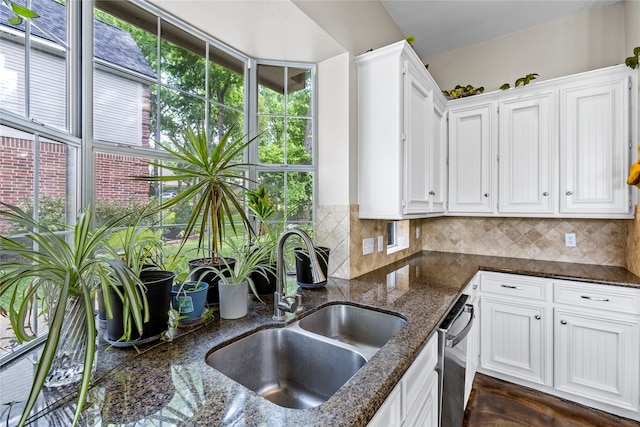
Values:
[(511, 287), (564, 322), (569, 193), (595, 298), (537, 317), (545, 194)]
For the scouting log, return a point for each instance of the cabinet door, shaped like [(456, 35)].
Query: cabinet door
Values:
[(424, 413), (594, 141), (514, 339), (390, 413), (528, 152), (418, 111), (470, 159), (597, 357), (439, 160)]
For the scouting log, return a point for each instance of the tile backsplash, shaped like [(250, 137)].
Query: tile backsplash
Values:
[(599, 241)]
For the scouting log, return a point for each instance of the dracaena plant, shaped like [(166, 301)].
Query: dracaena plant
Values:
[(216, 183), (62, 268)]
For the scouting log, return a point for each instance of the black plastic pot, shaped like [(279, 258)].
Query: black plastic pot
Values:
[(200, 271), (303, 266), (158, 284), (265, 285)]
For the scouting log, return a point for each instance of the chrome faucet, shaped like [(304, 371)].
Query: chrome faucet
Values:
[(281, 301)]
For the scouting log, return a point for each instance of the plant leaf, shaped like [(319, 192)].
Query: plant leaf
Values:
[(16, 20), (636, 51), (23, 11), (505, 86)]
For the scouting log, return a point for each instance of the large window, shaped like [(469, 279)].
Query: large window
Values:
[(152, 76)]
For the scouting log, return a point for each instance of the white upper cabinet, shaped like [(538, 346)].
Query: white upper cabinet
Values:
[(472, 158), (396, 133), (595, 145), (528, 153), (563, 148), (438, 165)]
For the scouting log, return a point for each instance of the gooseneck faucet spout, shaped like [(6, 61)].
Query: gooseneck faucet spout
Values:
[(289, 303)]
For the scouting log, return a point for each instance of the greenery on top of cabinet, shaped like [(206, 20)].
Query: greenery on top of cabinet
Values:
[(522, 81)]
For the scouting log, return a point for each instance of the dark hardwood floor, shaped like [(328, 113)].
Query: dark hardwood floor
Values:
[(497, 403)]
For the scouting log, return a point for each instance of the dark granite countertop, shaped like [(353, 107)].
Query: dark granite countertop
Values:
[(170, 383)]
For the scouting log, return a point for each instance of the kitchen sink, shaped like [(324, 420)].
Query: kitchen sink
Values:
[(360, 327), (287, 367)]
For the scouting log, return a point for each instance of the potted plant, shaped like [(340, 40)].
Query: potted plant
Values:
[(189, 299), (215, 192), (262, 210), (140, 247), (235, 279), (66, 269)]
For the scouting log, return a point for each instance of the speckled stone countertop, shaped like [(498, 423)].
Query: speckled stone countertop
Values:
[(170, 383)]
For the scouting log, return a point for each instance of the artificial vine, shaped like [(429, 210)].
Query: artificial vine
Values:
[(462, 91), (632, 61), (522, 81)]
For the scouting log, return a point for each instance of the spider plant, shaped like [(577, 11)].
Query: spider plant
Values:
[(216, 183), (62, 269)]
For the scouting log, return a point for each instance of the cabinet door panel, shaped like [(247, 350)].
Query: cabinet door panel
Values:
[(514, 339), (470, 159), (439, 160), (418, 112), (595, 148), (597, 357), (528, 140)]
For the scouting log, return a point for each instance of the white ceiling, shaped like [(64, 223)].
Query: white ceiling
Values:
[(445, 25)]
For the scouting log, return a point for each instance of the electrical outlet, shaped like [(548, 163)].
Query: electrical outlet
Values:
[(367, 246), (380, 244), (417, 232), (570, 240)]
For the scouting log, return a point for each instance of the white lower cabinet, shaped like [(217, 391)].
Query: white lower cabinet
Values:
[(514, 339), (414, 401), (596, 357), (588, 351)]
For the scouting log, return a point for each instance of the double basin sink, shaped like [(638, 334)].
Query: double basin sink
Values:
[(302, 365)]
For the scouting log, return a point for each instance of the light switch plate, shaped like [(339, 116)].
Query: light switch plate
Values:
[(380, 244), (367, 246)]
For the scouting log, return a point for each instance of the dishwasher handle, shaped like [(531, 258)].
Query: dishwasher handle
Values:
[(452, 341)]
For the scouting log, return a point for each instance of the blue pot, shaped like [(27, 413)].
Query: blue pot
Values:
[(190, 300)]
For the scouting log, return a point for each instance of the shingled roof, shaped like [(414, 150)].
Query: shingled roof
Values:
[(111, 44)]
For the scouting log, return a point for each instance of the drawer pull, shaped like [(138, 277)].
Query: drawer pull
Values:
[(511, 287), (595, 298)]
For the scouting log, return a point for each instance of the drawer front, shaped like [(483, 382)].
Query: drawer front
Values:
[(420, 371), (601, 297), (512, 285)]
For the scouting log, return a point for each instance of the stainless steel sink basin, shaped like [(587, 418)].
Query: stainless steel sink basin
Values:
[(357, 326), (288, 368)]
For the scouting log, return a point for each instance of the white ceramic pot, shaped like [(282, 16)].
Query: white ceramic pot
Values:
[(233, 300)]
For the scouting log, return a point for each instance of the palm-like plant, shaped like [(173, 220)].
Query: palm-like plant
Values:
[(217, 183), (63, 271)]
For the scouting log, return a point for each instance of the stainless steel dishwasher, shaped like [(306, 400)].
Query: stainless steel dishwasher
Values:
[(452, 361)]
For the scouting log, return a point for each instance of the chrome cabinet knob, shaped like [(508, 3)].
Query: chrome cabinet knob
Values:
[(545, 194), (432, 193), (569, 193), (564, 322), (486, 194), (537, 317)]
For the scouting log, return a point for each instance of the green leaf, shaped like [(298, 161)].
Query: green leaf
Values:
[(505, 86), (23, 11), (16, 20), (411, 39), (636, 51)]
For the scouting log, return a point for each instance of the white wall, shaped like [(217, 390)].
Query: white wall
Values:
[(333, 131), (588, 41)]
